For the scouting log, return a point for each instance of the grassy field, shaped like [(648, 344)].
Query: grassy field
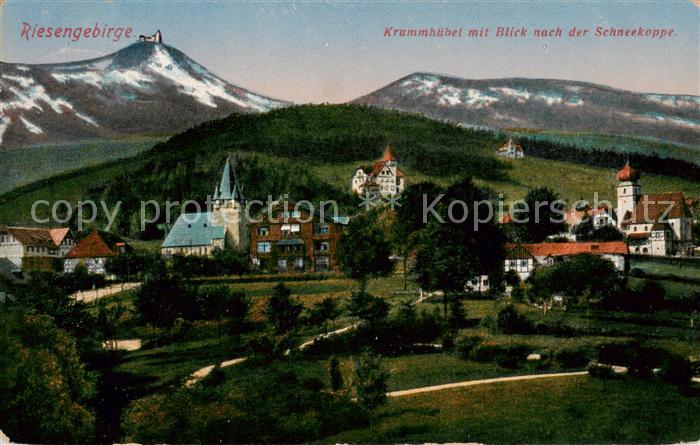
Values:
[(571, 181), (34, 163), (564, 410), (615, 143)]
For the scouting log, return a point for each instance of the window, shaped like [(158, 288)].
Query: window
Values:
[(282, 264), (322, 264), (298, 264), (263, 231), (290, 229), (264, 247), (323, 246), (321, 229), (293, 214)]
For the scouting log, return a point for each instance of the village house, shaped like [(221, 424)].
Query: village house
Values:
[(223, 228), (33, 248), (655, 224), (384, 178), (285, 240), (93, 251), (511, 150), (524, 258), (599, 217)]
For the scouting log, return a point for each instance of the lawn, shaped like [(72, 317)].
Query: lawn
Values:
[(561, 410), (34, 163)]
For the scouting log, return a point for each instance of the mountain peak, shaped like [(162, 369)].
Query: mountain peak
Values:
[(146, 87), (551, 104)]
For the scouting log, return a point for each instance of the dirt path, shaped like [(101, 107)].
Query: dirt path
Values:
[(94, 294), (408, 392)]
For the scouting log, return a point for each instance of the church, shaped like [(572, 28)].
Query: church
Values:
[(384, 178), (659, 224), (225, 227)]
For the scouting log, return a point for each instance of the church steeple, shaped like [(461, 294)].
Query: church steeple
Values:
[(229, 207), (228, 188)]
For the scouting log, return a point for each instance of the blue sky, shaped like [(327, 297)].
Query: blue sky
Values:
[(335, 51)]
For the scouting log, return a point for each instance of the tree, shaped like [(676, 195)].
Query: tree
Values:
[(542, 215), (363, 250), (336, 374), (652, 295), (409, 219), (127, 266), (108, 320), (371, 382), (324, 311), (583, 274), (606, 233), (370, 309), (454, 247), (230, 262), (219, 302), (282, 311), (161, 300), (458, 316), (44, 387)]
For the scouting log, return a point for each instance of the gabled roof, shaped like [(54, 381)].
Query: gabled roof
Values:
[(194, 229), (510, 144), (659, 207), (389, 155), (33, 236), (59, 235), (92, 246), (517, 252), (572, 248), (228, 188)]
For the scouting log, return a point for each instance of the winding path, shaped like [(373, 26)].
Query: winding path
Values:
[(408, 392), (94, 294)]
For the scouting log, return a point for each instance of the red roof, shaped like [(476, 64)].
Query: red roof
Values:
[(58, 235), (92, 246), (659, 207), (34, 236), (628, 173), (640, 235), (568, 249), (389, 155)]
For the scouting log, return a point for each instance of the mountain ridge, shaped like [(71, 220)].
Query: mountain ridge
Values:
[(145, 87), (553, 104)]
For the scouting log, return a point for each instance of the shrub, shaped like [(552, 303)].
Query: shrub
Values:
[(615, 353), (510, 321), (676, 369), (601, 371), (572, 357), (642, 362), (485, 353), (466, 346), (511, 356)]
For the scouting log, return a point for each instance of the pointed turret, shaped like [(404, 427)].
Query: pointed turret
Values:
[(228, 187), (389, 155)]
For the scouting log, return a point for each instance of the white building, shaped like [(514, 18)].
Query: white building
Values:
[(32, 248), (225, 226), (93, 252), (655, 224), (511, 150), (524, 258), (385, 178)]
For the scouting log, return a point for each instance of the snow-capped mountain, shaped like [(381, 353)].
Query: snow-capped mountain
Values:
[(545, 104), (144, 88)]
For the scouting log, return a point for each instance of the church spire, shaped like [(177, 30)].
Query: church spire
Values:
[(228, 188)]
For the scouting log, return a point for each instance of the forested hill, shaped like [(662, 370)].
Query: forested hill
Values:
[(288, 150), (308, 152)]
